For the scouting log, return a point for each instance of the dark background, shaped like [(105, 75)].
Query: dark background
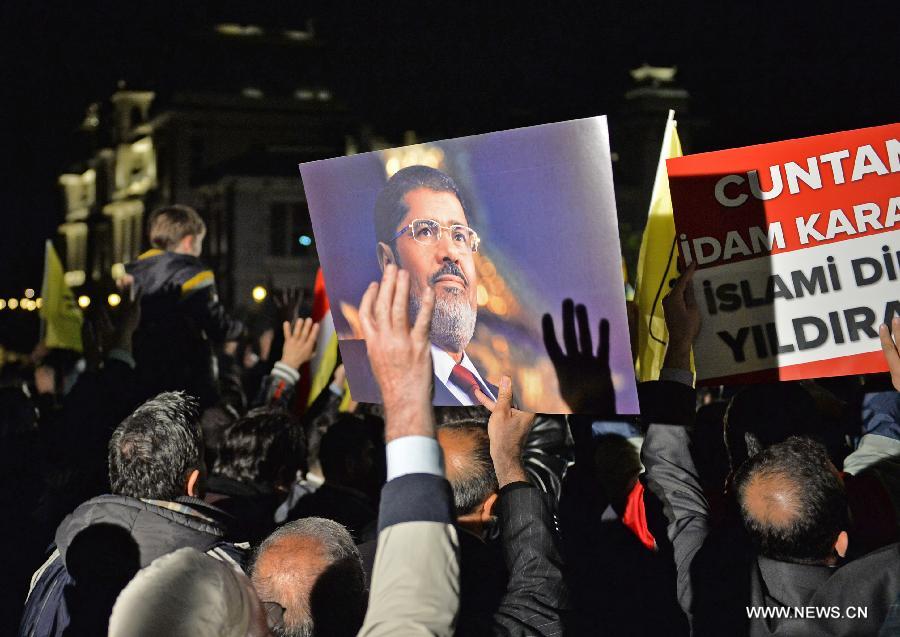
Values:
[(756, 72)]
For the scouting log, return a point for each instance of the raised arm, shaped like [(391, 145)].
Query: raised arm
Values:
[(415, 579), (536, 591), (670, 472)]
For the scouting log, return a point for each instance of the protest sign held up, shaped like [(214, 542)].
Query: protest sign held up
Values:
[(504, 227), (797, 250)]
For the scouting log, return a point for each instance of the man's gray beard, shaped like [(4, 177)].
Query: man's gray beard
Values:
[(453, 320)]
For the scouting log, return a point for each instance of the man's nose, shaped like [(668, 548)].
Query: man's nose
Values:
[(447, 248)]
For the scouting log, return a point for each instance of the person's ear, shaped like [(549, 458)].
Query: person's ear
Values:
[(487, 508), (192, 488), (186, 245), (842, 543), (385, 255)]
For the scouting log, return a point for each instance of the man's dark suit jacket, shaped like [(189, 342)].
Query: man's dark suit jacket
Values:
[(444, 397), (356, 361), (719, 576), (514, 586)]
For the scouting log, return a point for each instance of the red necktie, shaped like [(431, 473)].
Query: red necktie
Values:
[(466, 381)]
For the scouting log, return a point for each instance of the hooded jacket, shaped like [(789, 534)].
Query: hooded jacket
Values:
[(99, 548), (180, 316)]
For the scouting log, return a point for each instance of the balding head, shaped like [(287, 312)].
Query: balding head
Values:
[(312, 568), (793, 502), (470, 470)]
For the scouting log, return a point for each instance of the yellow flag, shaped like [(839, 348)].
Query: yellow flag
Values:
[(62, 318), (656, 264)]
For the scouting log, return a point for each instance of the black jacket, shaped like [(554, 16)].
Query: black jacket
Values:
[(513, 586), (99, 548), (720, 577), (180, 316)]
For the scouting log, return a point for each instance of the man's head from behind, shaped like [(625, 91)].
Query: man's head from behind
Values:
[(437, 251), (267, 446), (191, 594), (157, 452), (762, 415), (793, 503), (467, 460), (176, 229), (347, 453), (312, 569)]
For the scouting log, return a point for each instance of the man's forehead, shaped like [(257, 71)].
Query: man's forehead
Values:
[(441, 206)]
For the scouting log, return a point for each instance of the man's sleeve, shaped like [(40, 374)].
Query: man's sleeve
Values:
[(547, 454), (672, 478), (199, 296), (278, 388), (873, 487), (881, 432), (415, 579), (536, 592)]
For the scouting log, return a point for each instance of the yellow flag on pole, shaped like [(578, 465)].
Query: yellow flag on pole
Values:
[(62, 318), (656, 263)]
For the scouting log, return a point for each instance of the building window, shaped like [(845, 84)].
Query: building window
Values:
[(290, 230)]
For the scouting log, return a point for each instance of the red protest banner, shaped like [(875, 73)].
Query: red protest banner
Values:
[(797, 252)]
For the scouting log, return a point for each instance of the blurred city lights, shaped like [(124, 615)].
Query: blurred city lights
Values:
[(297, 35), (113, 299), (229, 28), (83, 301), (29, 293), (13, 304), (259, 294), (497, 305), (305, 240), (482, 295), (30, 305), (39, 303), (2, 304)]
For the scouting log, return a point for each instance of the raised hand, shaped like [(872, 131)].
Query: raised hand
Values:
[(127, 319), (340, 376), (682, 320), (299, 342), (585, 381), (507, 429), (400, 355), (890, 345), (287, 304)]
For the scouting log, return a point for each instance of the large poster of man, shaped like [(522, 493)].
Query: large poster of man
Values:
[(515, 232)]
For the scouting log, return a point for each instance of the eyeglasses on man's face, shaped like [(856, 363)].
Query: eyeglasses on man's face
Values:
[(428, 232)]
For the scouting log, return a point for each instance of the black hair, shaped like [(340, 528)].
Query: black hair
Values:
[(762, 415), (262, 447), (390, 209), (800, 472), (346, 439), (152, 452), (474, 482)]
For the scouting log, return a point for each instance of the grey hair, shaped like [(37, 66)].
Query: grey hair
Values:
[(154, 449), (335, 604), (335, 538)]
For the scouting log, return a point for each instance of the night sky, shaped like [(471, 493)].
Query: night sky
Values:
[(755, 74)]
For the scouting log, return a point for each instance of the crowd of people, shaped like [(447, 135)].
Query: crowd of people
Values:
[(170, 482)]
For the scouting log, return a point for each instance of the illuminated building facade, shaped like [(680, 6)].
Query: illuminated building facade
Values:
[(228, 145)]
